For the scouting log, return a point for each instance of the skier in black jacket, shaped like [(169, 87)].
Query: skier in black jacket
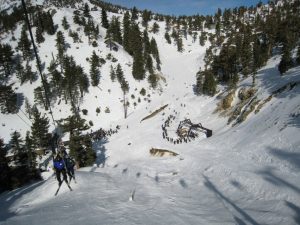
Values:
[(60, 169)]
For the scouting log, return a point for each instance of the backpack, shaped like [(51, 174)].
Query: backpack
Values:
[(70, 163), (59, 164)]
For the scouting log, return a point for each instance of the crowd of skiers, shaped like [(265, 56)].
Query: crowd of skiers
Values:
[(101, 133), (180, 139)]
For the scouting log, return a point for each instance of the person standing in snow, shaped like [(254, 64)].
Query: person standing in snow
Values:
[(70, 163), (60, 170), (62, 150)]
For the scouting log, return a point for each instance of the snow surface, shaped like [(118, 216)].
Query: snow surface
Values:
[(246, 174)]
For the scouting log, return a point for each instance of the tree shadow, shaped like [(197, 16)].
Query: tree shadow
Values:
[(99, 146), (20, 100), (236, 184), (183, 183), (7, 199), (273, 81), (294, 118), (124, 171), (296, 209), (269, 176), (291, 157), (239, 221), (156, 179), (224, 199)]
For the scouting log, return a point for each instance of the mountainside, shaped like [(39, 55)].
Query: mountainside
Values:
[(247, 172)]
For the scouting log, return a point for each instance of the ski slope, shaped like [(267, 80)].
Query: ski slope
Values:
[(246, 174)]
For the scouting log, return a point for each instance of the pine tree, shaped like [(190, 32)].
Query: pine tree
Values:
[(119, 73), (155, 28), (39, 130), (39, 34), (86, 11), (155, 53), (149, 64), (138, 71), (134, 14), (6, 60), (114, 31), (152, 79), (29, 148), (209, 84), (89, 29), (104, 20), (199, 83), (246, 52), (8, 100), (61, 46), (80, 145), (56, 78), (146, 43), (179, 45), (28, 108), (83, 81), (167, 37), (28, 74), (202, 38), (20, 157), (94, 71), (24, 44), (286, 59), (74, 124), (126, 33), (112, 73), (48, 24), (146, 17), (65, 23), (81, 149), (5, 180)]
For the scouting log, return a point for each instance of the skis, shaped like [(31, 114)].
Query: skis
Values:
[(72, 177), (59, 185)]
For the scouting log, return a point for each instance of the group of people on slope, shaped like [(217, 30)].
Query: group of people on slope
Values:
[(63, 166)]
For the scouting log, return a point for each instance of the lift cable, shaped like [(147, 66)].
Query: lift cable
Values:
[(37, 60)]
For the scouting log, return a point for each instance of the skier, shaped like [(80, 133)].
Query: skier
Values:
[(60, 169), (70, 163), (62, 150)]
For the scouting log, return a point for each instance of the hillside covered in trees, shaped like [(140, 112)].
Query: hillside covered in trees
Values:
[(91, 71)]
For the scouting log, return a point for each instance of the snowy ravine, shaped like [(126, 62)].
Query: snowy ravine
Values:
[(246, 174)]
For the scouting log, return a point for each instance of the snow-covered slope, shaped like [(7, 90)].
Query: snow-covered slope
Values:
[(246, 174)]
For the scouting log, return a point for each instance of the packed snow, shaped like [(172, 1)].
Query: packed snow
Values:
[(246, 174)]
